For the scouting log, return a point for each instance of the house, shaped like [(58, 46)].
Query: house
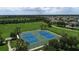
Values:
[(72, 24)]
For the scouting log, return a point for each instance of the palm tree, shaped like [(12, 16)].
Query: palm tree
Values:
[(43, 26), (18, 30)]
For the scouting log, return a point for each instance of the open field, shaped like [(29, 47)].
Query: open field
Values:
[(60, 31), (6, 29)]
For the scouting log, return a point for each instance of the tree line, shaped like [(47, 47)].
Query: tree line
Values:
[(20, 20)]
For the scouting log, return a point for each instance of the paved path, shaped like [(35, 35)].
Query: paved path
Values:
[(9, 46), (36, 48), (8, 43)]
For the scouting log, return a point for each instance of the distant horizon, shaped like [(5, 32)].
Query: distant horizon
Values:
[(39, 10), (46, 15)]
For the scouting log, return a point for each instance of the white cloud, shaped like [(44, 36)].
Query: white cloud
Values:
[(38, 10)]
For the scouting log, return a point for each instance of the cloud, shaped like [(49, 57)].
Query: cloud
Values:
[(38, 10)]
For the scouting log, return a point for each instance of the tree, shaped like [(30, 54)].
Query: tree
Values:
[(13, 35), (63, 41), (21, 45), (49, 24), (1, 40), (73, 42), (54, 43), (61, 24), (43, 26), (18, 30)]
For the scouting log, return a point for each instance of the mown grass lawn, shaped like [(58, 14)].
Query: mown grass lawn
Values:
[(6, 29), (60, 31), (4, 48)]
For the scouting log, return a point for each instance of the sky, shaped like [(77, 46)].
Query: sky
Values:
[(38, 7), (38, 3), (38, 10)]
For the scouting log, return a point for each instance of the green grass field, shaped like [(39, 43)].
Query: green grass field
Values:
[(60, 31), (4, 48), (6, 29)]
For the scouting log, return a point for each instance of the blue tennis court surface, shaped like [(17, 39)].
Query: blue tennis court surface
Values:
[(29, 37), (36, 36), (47, 35)]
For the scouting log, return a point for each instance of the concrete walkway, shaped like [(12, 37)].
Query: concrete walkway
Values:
[(36, 48), (9, 46), (8, 43)]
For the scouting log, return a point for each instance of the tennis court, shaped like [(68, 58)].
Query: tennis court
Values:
[(37, 38), (29, 37), (47, 35)]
